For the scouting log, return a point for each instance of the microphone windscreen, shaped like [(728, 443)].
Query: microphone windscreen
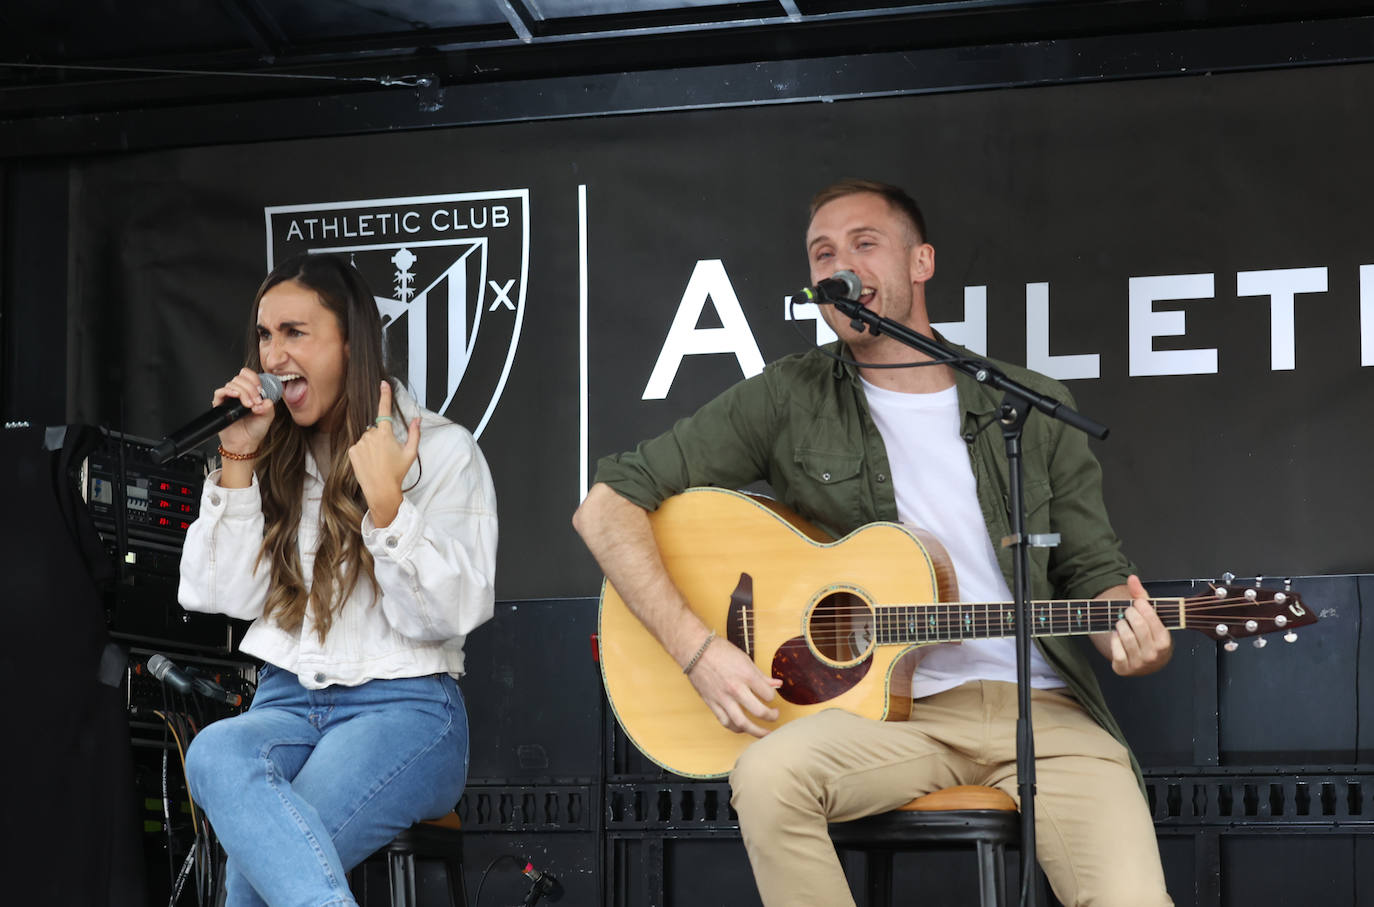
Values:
[(163, 670), (158, 665), (271, 386), (853, 287)]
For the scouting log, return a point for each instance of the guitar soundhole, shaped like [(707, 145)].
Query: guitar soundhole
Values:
[(840, 628), (833, 656)]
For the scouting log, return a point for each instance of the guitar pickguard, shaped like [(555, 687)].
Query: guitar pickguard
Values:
[(806, 680)]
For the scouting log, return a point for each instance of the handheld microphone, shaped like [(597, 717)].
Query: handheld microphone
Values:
[(184, 681), (840, 285), (161, 667), (213, 422)]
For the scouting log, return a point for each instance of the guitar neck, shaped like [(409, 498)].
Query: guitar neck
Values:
[(954, 621)]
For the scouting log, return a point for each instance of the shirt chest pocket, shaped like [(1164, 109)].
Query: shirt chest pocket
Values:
[(827, 467), (829, 487)]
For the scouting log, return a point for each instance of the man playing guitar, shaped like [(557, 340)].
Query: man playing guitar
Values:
[(845, 439)]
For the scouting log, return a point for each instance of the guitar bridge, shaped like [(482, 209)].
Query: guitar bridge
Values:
[(739, 619)]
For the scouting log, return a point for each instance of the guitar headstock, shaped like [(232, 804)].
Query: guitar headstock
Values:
[(1235, 612)]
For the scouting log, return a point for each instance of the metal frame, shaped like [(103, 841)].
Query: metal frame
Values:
[(817, 79)]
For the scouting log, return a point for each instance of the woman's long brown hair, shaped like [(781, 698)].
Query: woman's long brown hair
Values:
[(341, 559)]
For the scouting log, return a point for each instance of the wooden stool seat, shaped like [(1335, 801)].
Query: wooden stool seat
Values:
[(452, 821), (968, 814), (965, 796), (431, 839)]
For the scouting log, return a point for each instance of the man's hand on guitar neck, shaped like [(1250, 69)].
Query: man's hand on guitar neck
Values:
[(734, 688), (1140, 644)]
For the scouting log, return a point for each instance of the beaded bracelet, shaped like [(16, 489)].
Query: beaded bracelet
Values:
[(230, 455), (700, 652)]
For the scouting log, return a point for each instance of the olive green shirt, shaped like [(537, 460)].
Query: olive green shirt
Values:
[(803, 426)]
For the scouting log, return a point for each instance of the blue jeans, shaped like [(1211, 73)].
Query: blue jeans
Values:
[(307, 784)]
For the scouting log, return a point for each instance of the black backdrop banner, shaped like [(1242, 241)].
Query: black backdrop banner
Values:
[(1193, 256)]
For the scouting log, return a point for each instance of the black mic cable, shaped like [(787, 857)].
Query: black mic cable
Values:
[(208, 687)]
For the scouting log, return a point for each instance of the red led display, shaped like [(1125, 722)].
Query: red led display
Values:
[(179, 506)]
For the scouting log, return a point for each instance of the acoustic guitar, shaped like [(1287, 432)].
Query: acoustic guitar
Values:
[(837, 621)]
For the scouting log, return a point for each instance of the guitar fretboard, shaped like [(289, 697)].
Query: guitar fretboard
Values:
[(950, 621)]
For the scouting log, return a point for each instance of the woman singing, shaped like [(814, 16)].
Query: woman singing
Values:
[(358, 532)]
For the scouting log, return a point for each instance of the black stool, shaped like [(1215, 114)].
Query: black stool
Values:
[(433, 839), (983, 816)]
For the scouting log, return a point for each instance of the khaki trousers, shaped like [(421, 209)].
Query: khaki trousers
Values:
[(1095, 839)]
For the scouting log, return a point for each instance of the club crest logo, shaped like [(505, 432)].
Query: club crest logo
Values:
[(449, 273)]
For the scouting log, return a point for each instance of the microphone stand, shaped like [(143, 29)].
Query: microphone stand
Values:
[(1017, 402)]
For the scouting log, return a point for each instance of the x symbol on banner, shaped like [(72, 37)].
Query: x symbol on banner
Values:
[(501, 295)]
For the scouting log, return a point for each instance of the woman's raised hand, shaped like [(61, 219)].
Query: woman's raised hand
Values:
[(380, 462)]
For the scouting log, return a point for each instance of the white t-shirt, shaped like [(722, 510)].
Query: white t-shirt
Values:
[(933, 481)]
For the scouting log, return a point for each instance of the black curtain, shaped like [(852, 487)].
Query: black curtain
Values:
[(71, 829)]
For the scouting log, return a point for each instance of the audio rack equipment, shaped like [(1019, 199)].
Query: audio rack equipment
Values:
[(142, 508), (145, 693)]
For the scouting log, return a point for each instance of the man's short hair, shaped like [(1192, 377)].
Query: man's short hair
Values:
[(896, 196)]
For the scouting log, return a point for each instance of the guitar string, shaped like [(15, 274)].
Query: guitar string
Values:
[(976, 633), (1189, 603), (953, 616), (822, 641), (986, 633), (952, 619)]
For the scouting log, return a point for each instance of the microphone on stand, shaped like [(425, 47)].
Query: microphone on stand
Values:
[(213, 422), (183, 681), (162, 668), (840, 285)]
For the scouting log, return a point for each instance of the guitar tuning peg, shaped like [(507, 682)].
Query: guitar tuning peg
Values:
[(1261, 642), (1231, 645), (1290, 636), (1288, 584), (1228, 577), (1259, 580)]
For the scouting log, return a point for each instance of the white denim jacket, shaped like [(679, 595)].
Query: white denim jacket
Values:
[(435, 564)]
